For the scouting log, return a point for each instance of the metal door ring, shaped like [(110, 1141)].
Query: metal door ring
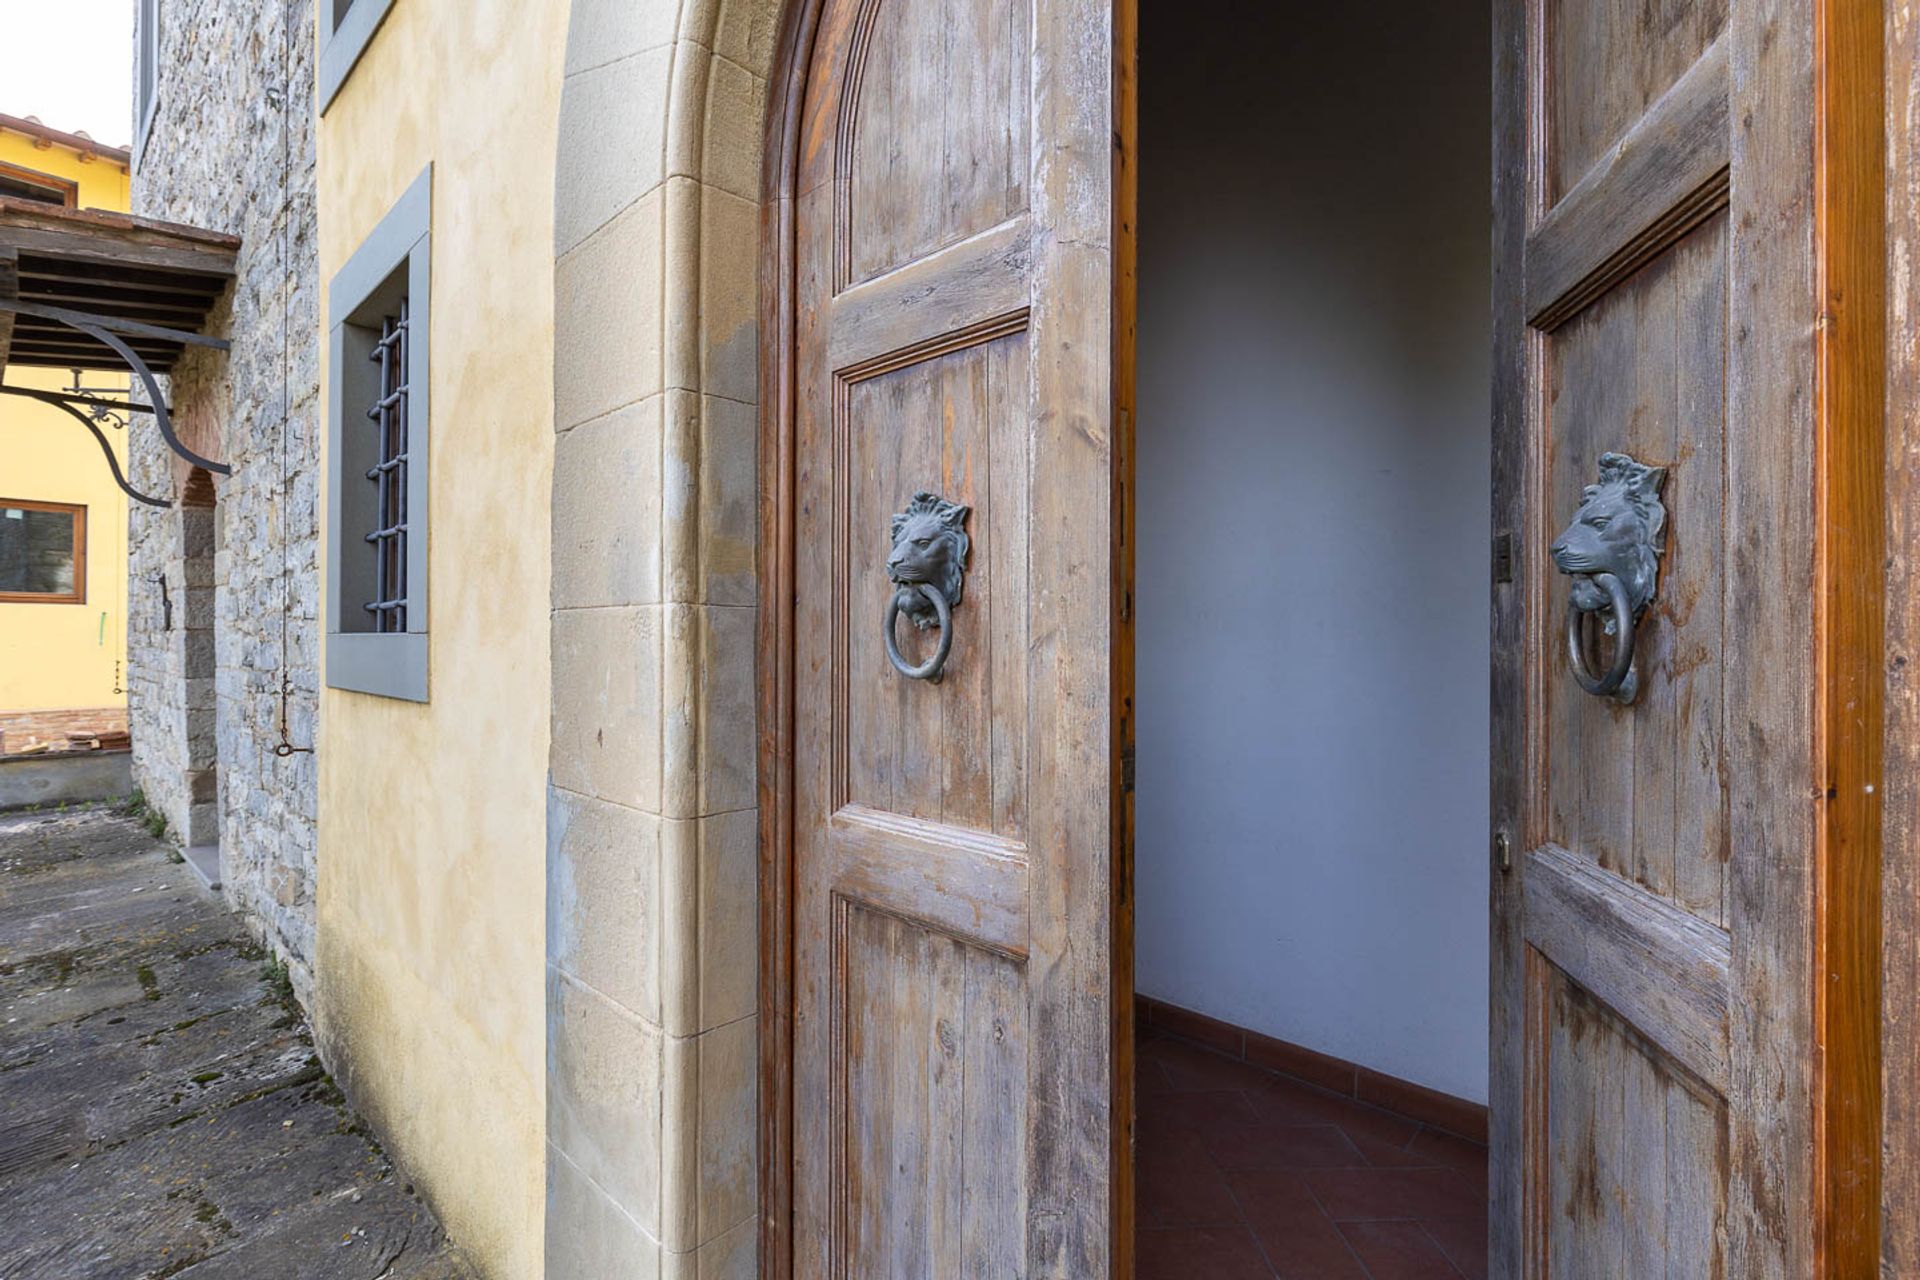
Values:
[(930, 669), (1621, 682)]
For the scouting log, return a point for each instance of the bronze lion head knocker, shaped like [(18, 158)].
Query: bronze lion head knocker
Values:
[(928, 569), (1612, 551)]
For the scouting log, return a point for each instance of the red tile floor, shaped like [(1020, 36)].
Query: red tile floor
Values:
[(1248, 1175)]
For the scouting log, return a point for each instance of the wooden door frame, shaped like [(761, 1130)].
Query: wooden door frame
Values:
[(780, 166)]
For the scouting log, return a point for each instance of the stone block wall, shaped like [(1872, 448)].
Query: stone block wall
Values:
[(225, 587), (652, 857)]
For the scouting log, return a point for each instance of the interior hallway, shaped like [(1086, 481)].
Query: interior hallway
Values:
[(1245, 1174)]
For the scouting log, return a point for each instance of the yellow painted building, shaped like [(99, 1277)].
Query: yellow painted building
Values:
[(63, 588), (430, 1005)]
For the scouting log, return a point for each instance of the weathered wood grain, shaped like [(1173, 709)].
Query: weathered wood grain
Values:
[(1672, 160), (974, 888), (951, 327), (1605, 63), (1736, 792), (1662, 969), (1900, 822)]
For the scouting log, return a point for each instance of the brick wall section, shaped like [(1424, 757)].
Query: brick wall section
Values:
[(24, 728), (232, 149)]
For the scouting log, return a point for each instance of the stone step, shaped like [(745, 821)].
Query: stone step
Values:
[(205, 861)]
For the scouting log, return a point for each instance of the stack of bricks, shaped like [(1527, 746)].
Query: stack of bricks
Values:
[(22, 729)]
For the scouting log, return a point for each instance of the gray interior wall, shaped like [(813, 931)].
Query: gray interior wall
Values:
[(1313, 565)]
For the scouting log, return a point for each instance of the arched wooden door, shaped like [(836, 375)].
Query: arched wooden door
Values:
[(953, 386)]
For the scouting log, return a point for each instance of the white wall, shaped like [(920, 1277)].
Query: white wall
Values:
[(1313, 558)]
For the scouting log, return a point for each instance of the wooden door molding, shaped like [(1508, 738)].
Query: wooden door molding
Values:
[(775, 640)]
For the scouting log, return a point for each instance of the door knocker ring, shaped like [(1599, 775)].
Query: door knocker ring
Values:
[(1621, 681), (927, 567), (1612, 552)]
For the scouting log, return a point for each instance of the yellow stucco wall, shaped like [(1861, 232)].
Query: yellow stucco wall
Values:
[(58, 656), (430, 997)]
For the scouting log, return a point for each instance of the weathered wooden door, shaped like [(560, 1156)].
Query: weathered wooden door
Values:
[(1684, 1081), (961, 974)]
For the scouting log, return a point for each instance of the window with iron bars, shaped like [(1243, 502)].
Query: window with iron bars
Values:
[(389, 476), (379, 439)]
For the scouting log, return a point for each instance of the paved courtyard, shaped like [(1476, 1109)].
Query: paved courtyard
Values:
[(162, 1112)]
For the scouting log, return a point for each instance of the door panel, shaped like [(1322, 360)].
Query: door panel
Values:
[(961, 984), (1661, 237)]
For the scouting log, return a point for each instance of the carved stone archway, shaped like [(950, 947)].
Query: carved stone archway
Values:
[(652, 952)]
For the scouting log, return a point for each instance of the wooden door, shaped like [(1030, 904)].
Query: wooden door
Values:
[(1687, 257), (960, 379)]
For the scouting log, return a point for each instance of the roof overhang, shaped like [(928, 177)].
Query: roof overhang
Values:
[(89, 289)]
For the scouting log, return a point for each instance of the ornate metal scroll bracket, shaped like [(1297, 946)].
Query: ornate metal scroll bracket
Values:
[(928, 567), (1612, 552)]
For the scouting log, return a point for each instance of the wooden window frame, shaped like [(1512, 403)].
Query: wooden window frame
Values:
[(79, 593), (66, 188)]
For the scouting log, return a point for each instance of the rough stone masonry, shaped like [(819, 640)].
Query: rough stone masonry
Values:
[(224, 587)]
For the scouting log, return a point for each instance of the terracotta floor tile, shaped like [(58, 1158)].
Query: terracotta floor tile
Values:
[(1464, 1241), (1287, 1101), (1233, 1159), (1206, 1253), (1213, 1109), (1352, 1195), (1178, 1185), (1444, 1148), (1261, 1144), (1398, 1251), (1190, 1067), (1298, 1239)]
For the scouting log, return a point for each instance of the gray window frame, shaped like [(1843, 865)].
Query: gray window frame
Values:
[(343, 38), (395, 256), (146, 74)]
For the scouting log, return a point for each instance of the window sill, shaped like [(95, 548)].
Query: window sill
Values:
[(388, 666)]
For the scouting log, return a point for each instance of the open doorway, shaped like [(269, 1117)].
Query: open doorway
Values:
[(1312, 588)]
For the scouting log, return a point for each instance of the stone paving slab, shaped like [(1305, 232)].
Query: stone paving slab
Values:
[(162, 1113)]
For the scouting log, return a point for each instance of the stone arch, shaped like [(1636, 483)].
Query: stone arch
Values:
[(652, 850)]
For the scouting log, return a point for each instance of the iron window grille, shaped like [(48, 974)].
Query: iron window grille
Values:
[(378, 525), (389, 475)]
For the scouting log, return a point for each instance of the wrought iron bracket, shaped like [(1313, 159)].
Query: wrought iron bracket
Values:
[(102, 329), (59, 401)]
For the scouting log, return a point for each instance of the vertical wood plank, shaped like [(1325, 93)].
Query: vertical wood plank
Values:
[(1851, 354), (1900, 997), (1011, 453), (1514, 462), (1697, 542), (1771, 381)]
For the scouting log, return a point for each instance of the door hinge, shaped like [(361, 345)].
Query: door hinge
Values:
[(1126, 768), (1503, 852), (1503, 558)]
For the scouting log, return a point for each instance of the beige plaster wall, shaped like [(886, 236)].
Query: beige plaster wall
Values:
[(652, 860), (429, 1003)]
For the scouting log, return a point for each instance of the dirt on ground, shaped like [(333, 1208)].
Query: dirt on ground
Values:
[(162, 1111)]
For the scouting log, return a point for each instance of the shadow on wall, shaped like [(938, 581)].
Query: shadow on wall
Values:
[(1313, 523)]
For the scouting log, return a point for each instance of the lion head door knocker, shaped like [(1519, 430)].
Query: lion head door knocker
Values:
[(1612, 552), (928, 569)]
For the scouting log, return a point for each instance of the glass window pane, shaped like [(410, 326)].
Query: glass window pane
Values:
[(36, 552)]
